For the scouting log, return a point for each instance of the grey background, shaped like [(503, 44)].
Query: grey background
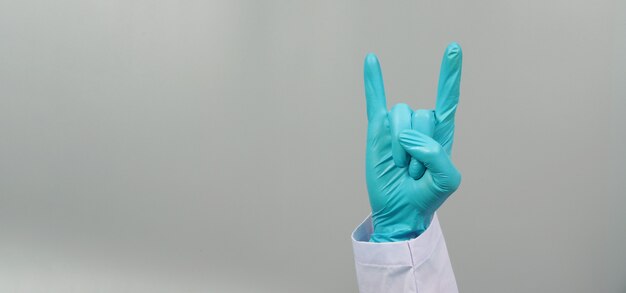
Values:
[(218, 146)]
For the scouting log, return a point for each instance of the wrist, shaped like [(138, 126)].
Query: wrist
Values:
[(393, 235), (401, 230)]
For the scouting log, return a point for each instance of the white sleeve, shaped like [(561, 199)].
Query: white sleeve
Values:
[(417, 265)]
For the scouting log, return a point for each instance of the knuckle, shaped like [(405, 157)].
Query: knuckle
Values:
[(455, 180), (400, 106), (422, 114)]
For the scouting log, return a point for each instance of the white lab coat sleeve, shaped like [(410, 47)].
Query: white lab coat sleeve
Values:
[(417, 265)]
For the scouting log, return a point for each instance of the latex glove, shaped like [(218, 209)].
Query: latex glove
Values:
[(409, 173)]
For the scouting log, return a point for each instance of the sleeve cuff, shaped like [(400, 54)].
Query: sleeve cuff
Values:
[(405, 253)]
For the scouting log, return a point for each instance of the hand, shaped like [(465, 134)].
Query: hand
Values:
[(408, 169)]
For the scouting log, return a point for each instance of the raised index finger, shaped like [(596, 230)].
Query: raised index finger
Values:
[(374, 88), (448, 95)]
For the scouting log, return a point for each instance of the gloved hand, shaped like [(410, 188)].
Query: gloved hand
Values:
[(408, 168)]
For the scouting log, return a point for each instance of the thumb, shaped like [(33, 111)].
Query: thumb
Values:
[(430, 153)]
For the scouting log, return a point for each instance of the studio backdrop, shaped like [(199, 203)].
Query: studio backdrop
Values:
[(219, 146)]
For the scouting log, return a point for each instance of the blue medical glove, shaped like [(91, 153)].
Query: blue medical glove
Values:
[(408, 169)]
